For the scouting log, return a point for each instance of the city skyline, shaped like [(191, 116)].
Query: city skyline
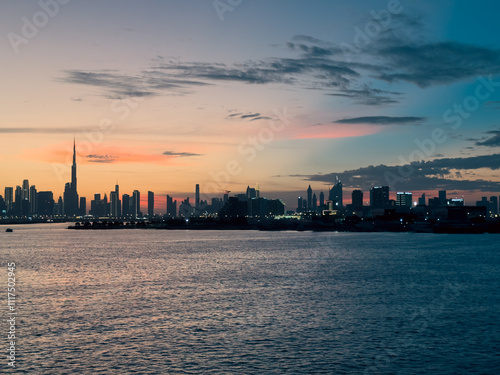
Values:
[(164, 97)]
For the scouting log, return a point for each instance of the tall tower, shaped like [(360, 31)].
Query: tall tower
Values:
[(73, 168), (309, 198), (70, 191), (197, 197)]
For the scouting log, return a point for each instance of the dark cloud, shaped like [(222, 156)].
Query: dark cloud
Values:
[(100, 158), (318, 65), (429, 175), (382, 120), (248, 116), (493, 141), (148, 83), (369, 96), (180, 154), (436, 63)]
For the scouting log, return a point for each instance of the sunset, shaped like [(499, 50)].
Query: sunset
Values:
[(161, 96), (250, 186)]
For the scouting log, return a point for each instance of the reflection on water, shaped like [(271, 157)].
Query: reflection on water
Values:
[(247, 302)]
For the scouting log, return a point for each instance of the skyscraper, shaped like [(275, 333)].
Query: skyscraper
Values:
[(404, 199), (321, 199), (379, 197), (114, 204), (300, 204), (357, 199), (45, 203), (136, 202), (26, 190), (9, 198), (336, 195), (33, 197), (70, 190), (309, 198), (442, 198), (171, 207), (83, 206), (151, 203), (197, 198), (125, 205)]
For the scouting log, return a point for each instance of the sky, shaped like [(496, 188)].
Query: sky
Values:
[(163, 95)]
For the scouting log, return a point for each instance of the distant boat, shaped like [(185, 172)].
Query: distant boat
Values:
[(9, 230)]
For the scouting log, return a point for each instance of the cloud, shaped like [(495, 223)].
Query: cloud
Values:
[(100, 158), (148, 83), (369, 96), (437, 174), (381, 120), (430, 64), (494, 141), (248, 116), (180, 154)]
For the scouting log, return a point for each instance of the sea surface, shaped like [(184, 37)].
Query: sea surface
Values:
[(248, 302)]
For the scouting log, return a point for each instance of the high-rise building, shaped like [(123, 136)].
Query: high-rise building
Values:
[(45, 203), (494, 205), (309, 198), (197, 198), (404, 199), (357, 199), (136, 204), (114, 203), (321, 199), (70, 190), (9, 198), (421, 200), (83, 206), (171, 207), (125, 205), (442, 198), (314, 203), (379, 197), (300, 204), (151, 204), (26, 190), (60, 207), (18, 201), (335, 195), (251, 192), (33, 196)]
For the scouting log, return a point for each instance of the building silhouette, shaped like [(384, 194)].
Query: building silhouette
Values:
[(135, 204), (357, 199), (309, 198), (379, 197), (45, 200), (151, 204), (171, 207), (70, 190), (404, 199), (335, 195)]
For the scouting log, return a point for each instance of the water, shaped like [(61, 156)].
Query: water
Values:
[(248, 302)]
